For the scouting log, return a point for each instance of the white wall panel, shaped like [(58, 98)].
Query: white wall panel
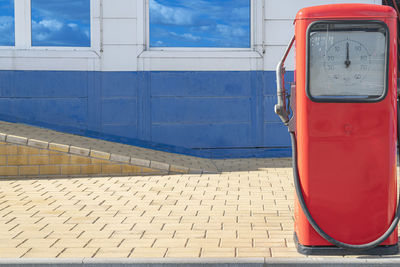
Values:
[(278, 32), (273, 54), (119, 31), (287, 9), (119, 58), (199, 64), (24, 63), (119, 8)]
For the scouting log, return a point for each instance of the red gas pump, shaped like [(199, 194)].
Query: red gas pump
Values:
[(344, 128)]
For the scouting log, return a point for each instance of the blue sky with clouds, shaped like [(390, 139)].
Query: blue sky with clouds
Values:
[(200, 23), (60, 23), (7, 32)]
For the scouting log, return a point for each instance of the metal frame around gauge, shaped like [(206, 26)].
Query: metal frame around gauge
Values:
[(349, 99)]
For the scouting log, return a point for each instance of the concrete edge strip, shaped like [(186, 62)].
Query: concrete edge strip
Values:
[(317, 261), (31, 142)]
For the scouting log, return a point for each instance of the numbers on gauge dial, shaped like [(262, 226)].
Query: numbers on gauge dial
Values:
[(347, 62)]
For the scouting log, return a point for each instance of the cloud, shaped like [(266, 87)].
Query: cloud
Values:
[(63, 9), (190, 37), (200, 23), (56, 33), (72, 25), (51, 24), (61, 23), (7, 31), (170, 16), (186, 36), (231, 31)]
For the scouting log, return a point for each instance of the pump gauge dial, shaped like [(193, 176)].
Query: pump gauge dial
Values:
[(347, 60)]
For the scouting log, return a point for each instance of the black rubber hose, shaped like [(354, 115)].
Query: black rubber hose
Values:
[(316, 227)]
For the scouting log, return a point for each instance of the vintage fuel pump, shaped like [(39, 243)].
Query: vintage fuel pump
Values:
[(343, 128)]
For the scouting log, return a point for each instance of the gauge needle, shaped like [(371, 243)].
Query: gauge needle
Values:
[(347, 62)]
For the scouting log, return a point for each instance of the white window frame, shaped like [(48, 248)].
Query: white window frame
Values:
[(23, 36), (256, 49)]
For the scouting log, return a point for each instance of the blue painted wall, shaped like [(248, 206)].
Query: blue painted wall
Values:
[(204, 113)]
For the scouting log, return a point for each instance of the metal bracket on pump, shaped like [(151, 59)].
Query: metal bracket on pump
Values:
[(282, 108)]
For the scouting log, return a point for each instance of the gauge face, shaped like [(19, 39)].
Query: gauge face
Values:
[(347, 61)]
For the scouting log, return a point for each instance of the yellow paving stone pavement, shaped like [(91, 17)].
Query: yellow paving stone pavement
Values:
[(78, 252), (237, 213), (148, 253), (38, 252)]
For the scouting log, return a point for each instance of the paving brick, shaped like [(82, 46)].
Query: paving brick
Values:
[(111, 169), (190, 234), (40, 252), (159, 165), (16, 139), (285, 252), (137, 243), (140, 162), (12, 252), (79, 150), (49, 169), (236, 243), (148, 253), (8, 149), (99, 154), (38, 243), (70, 170), (17, 160), (61, 159), (38, 143), (8, 171), (149, 170), (218, 252), (69, 242), (131, 169), (78, 252), (113, 253), (91, 169), (183, 253), (28, 170), (203, 242), (79, 160), (10, 243), (39, 160), (3, 160), (99, 161), (178, 169), (253, 252), (26, 150), (59, 147), (105, 243), (170, 243), (45, 151), (120, 158)]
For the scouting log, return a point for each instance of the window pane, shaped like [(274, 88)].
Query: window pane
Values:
[(7, 30), (60, 22), (194, 23)]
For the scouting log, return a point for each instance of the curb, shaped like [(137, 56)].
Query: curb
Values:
[(197, 262), (89, 152)]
